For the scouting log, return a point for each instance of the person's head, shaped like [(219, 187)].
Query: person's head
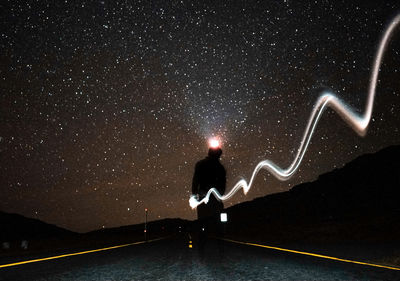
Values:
[(214, 152)]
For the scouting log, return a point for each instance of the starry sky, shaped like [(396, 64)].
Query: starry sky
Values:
[(106, 106)]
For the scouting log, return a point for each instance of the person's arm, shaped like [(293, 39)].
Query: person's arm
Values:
[(195, 181), (223, 182)]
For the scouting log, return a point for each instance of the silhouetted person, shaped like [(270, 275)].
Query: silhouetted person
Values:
[(209, 173)]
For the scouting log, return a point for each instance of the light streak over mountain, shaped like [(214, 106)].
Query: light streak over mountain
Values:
[(359, 123)]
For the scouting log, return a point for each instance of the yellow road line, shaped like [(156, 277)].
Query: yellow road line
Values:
[(312, 254), (78, 253)]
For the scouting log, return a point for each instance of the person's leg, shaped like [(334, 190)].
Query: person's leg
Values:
[(202, 238), (220, 234)]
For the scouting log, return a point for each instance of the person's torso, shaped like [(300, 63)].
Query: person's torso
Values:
[(211, 175)]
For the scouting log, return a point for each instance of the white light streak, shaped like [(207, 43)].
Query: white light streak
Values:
[(358, 122)]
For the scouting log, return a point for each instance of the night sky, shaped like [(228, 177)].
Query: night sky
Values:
[(106, 106)]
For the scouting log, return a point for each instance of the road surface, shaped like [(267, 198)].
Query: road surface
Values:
[(172, 259)]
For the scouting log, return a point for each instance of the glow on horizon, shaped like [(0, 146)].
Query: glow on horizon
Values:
[(359, 123)]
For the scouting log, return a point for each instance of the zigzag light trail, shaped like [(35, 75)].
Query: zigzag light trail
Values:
[(327, 99)]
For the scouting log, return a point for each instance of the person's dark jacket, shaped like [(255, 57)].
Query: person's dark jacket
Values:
[(209, 173)]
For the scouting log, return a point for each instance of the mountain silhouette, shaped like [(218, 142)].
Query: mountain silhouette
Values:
[(357, 201), (16, 227)]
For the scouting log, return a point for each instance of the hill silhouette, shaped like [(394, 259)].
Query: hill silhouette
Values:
[(352, 211), (17, 227), (46, 239), (370, 184)]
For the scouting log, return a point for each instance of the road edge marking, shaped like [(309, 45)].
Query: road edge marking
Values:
[(78, 253), (311, 254)]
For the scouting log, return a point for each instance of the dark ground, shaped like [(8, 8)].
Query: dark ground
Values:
[(172, 259)]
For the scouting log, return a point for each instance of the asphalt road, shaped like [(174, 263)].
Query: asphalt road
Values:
[(172, 259)]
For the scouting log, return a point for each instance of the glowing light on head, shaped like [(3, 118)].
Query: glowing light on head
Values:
[(359, 123), (214, 143)]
